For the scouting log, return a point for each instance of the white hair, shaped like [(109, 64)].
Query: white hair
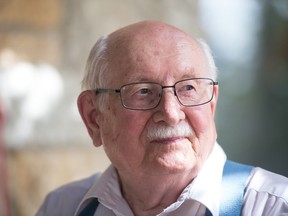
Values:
[(209, 58), (97, 64)]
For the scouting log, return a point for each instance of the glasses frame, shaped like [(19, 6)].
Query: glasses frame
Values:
[(118, 91)]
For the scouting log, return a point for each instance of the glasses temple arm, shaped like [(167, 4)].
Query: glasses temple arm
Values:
[(102, 90)]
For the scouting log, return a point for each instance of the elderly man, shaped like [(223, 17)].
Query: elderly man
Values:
[(150, 99)]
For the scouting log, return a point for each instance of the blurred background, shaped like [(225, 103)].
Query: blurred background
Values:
[(43, 48)]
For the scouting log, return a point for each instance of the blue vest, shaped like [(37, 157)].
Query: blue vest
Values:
[(233, 188)]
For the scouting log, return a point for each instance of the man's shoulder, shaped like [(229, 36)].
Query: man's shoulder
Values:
[(79, 185), (65, 199), (265, 181), (266, 194)]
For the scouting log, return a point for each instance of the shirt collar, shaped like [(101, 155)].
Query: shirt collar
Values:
[(107, 191), (205, 188)]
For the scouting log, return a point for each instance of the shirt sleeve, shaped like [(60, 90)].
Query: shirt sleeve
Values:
[(267, 194), (65, 200)]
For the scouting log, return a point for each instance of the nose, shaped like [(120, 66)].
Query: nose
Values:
[(169, 110)]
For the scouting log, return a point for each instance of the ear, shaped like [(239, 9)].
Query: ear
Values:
[(214, 100), (90, 113)]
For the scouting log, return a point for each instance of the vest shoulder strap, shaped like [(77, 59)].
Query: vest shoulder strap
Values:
[(90, 209), (233, 187)]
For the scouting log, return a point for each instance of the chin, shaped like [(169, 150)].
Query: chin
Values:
[(172, 166)]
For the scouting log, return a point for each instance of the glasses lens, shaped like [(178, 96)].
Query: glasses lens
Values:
[(194, 92), (141, 95)]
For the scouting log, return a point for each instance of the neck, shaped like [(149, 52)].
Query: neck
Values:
[(155, 193)]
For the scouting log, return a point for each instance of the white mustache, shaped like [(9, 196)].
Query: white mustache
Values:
[(164, 132)]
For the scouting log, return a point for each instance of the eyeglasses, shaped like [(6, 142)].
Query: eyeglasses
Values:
[(147, 95)]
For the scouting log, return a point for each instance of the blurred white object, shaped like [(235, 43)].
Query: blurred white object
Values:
[(29, 93)]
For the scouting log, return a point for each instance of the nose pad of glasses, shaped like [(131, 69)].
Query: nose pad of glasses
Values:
[(163, 92)]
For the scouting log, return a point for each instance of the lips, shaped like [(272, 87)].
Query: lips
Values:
[(170, 140)]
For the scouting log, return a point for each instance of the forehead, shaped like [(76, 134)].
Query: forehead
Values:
[(154, 56)]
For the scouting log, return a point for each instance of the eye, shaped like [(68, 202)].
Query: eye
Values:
[(187, 88), (144, 91), (140, 90)]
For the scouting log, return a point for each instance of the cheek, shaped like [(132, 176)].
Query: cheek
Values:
[(123, 144), (121, 131), (202, 121), (108, 126)]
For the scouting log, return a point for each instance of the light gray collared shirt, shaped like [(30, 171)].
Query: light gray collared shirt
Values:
[(267, 193)]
